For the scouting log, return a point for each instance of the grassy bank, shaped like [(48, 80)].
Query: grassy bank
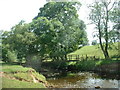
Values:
[(95, 50), (16, 76)]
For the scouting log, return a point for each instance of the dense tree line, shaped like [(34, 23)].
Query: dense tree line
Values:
[(57, 31), (54, 32)]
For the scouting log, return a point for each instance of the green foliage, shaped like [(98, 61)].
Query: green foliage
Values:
[(116, 20), (94, 42), (49, 34), (56, 65), (114, 36), (86, 65), (12, 57), (71, 74), (4, 53), (61, 32), (100, 15), (105, 62), (20, 40), (90, 65)]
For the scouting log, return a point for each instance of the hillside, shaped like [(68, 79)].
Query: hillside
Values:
[(95, 50)]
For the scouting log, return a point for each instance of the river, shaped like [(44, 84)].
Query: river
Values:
[(83, 80)]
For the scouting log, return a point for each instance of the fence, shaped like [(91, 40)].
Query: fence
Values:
[(75, 57)]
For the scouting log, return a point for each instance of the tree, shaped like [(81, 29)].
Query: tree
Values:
[(45, 32), (100, 16), (19, 40), (115, 19), (54, 35), (63, 31), (94, 42)]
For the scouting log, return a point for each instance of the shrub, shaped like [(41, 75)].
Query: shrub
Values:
[(85, 65), (12, 56), (56, 64), (34, 62)]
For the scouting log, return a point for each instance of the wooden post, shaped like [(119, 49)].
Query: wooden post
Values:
[(94, 57), (78, 57), (82, 58), (86, 57), (71, 57)]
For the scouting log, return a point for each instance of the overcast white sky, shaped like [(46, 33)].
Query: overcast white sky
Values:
[(13, 11)]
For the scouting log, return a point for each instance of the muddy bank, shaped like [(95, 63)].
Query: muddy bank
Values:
[(112, 68), (109, 71)]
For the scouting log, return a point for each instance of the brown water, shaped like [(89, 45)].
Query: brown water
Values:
[(84, 80)]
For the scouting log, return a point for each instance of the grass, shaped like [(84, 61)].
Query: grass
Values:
[(91, 65), (10, 83), (14, 68), (106, 62), (96, 51), (71, 74), (27, 76), (39, 76), (16, 76)]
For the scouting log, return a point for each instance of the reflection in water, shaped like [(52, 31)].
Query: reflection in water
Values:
[(83, 80)]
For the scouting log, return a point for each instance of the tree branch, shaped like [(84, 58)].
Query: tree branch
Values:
[(111, 7)]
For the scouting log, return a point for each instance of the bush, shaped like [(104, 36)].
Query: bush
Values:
[(56, 65), (4, 53), (86, 65), (12, 56), (34, 62), (59, 65), (94, 42)]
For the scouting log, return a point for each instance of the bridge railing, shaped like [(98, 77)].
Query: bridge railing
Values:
[(75, 57)]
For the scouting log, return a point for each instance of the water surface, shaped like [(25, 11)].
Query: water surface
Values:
[(83, 80)]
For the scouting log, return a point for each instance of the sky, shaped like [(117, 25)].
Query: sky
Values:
[(13, 11)]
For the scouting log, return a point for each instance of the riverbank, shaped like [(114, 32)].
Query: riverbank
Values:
[(83, 74), (16, 76), (104, 67)]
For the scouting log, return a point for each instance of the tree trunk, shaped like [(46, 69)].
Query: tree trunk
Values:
[(34, 61), (65, 57), (105, 52), (106, 35)]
